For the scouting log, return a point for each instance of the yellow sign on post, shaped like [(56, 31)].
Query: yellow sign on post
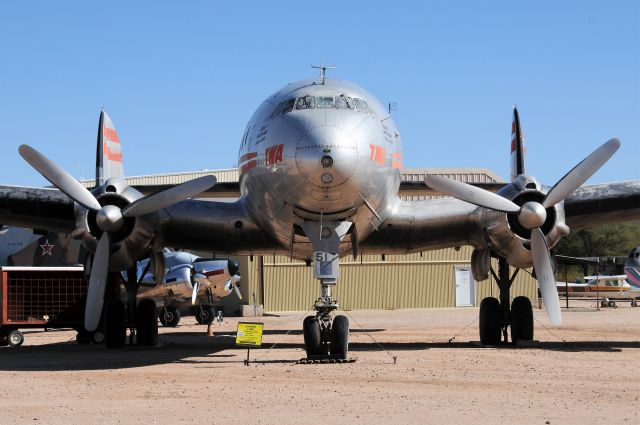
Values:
[(249, 334)]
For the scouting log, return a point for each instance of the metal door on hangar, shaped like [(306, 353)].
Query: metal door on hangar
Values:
[(465, 286)]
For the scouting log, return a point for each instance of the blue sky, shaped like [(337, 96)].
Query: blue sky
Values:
[(181, 79)]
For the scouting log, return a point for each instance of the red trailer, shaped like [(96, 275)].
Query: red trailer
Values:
[(41, 297)]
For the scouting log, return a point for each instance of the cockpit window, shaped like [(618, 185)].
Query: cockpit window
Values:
[(324, 101), (306, 102), (341, 102), (288, 106), (312, 102), (360, 104)]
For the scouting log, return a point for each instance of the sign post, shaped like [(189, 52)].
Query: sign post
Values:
[(249, 334)]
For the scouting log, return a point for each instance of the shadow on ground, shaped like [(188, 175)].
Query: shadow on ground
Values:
[(200, 350)]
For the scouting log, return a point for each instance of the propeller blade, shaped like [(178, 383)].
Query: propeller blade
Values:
[(97, 283), (471, 194), (194, 294), (168, 197), (581, 173), (546, 278), (59, 178), (236, 289)]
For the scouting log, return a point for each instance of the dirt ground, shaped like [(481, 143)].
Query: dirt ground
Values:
[(406, 372)]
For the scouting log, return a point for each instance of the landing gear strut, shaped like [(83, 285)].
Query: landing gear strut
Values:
[(325, 335), (496, 316)]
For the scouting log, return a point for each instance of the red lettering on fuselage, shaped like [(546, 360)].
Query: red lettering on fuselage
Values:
[(378, 154), (273, 155)]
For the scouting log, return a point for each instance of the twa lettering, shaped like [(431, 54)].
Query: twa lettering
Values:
[(378, 154), (273, 155)]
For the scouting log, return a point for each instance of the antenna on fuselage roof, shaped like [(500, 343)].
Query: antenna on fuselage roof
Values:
[(323, 69)]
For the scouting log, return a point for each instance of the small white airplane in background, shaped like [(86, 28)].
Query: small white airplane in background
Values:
[(603, 287)]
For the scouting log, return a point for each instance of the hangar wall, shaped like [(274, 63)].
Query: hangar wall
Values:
[(424, 280), (420, 280)]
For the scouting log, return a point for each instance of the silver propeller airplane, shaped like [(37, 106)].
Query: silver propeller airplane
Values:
[(320, 164)]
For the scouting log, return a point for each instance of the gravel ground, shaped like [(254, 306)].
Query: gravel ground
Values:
[(406, 371)]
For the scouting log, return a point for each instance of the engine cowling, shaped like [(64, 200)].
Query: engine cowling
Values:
[(133, 241), (504, 234)]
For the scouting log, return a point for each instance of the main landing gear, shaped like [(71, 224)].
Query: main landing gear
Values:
[(496, 316), (326, 336), (140, 318)]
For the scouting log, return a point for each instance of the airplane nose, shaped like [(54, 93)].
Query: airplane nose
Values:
[(233, 267), (326, 156)]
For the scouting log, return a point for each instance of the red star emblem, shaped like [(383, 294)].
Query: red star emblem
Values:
[(47, 248)]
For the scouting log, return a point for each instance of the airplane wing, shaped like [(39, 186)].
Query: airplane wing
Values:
[(194, 224), (594, 205), (36, 208), (232, 189), (426, 225), (447, 222)]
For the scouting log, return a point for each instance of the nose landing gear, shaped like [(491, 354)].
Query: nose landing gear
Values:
[(326, 337)]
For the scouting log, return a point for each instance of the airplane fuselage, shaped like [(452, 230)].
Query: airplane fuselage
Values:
[(315, 151)]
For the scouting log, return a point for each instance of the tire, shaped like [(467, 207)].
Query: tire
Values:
[(312, 339), (83, 337), (169, 317), (204, 314), (612, 304), (15, 338), (115, 329), (147, 323), (97, 337), (490, 322), (521, 320), (340, 337)]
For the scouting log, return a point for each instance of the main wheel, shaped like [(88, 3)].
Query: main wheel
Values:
[(611, 304), (490, 323), (170, 317), (204, 314), (15, 338), (521, 319), (147, 322), (312, 339), (115, 327), (340, 337)]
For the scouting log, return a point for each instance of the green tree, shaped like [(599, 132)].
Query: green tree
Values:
[(600, 241)]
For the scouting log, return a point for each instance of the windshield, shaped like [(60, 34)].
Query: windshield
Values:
[(313, 102)]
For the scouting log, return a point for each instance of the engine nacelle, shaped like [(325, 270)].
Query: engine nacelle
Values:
[(217, 276), (504, 234), (129, 244)]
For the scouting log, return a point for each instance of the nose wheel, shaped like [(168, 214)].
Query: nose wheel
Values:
[(326, 338)]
